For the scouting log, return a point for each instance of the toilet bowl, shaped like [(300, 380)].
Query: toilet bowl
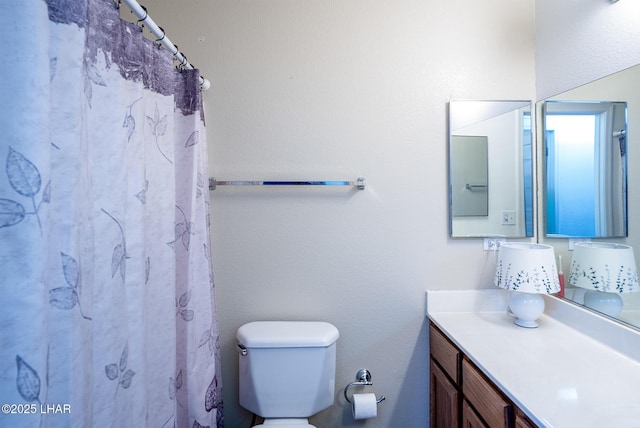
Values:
[(287, 370)]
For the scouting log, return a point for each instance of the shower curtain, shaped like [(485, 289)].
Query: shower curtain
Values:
[(106, 283)]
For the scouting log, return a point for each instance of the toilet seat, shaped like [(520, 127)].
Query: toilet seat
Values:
[(285, 423)]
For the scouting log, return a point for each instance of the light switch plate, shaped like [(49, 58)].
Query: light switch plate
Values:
[(508, 217)]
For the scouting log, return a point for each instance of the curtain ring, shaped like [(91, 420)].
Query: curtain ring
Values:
[(141, 20), (145, 14), (117, 3), (157, 41)]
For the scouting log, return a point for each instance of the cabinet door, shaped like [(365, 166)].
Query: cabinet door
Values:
[(485, 398), (522, 421), (470, 418), (444, 399)]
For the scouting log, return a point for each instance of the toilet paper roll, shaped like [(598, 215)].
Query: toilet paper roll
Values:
[(364, 406)]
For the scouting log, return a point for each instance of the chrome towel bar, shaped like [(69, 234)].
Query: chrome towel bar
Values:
[(360, 183), (473, 187)]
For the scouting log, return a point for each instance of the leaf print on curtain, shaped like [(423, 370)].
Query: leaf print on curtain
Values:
[(67, 297), (117, 371), (158, 126), (107, 279), (27, 381), (119, 255), (25, 179)]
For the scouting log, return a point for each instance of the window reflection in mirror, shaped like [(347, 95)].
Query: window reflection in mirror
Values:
[(586, 163), (490, 168)]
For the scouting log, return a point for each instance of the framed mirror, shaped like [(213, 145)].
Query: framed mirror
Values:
[(585, 169), (623, 87), (490, 169)]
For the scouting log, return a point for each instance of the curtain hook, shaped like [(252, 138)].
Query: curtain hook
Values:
[(176, 52), (146, 14), (157, 41)]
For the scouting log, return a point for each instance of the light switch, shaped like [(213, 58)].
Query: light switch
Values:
[(508, 217)]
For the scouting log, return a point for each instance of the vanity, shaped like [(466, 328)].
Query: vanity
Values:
[(577, 369), (454, 402)]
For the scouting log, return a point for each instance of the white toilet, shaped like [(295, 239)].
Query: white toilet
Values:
[(287, 370)]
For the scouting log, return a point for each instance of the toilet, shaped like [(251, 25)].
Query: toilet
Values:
[(287, 370)]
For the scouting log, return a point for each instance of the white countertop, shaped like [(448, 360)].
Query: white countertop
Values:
[(575, 370)]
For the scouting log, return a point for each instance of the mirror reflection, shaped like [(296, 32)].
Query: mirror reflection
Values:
[(621, 86), (586, 168), (490, 166)]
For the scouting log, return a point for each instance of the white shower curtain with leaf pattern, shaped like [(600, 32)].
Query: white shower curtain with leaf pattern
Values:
[(108, 316)]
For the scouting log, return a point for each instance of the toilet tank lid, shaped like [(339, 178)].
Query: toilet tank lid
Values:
[(287, 334)]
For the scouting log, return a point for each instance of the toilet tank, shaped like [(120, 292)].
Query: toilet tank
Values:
[(287, 368)]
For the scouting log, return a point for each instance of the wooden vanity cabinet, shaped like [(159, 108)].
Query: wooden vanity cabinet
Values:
[(444, 399), (461, 395), (523, 421), (485, 397), (445, 393), (470, 418)]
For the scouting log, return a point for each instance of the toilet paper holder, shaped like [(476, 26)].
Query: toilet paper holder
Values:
[(363, 378)]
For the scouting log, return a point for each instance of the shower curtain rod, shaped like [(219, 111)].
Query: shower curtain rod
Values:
[(141, 12)]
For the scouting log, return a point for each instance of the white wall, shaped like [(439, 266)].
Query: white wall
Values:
[(578, 41), (317, 89)]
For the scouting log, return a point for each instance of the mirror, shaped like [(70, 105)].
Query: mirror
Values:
[(621, 86), (585, 169), (490, 169)]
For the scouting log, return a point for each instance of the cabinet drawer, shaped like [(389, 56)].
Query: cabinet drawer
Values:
[(444, 352), (486, 400)]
